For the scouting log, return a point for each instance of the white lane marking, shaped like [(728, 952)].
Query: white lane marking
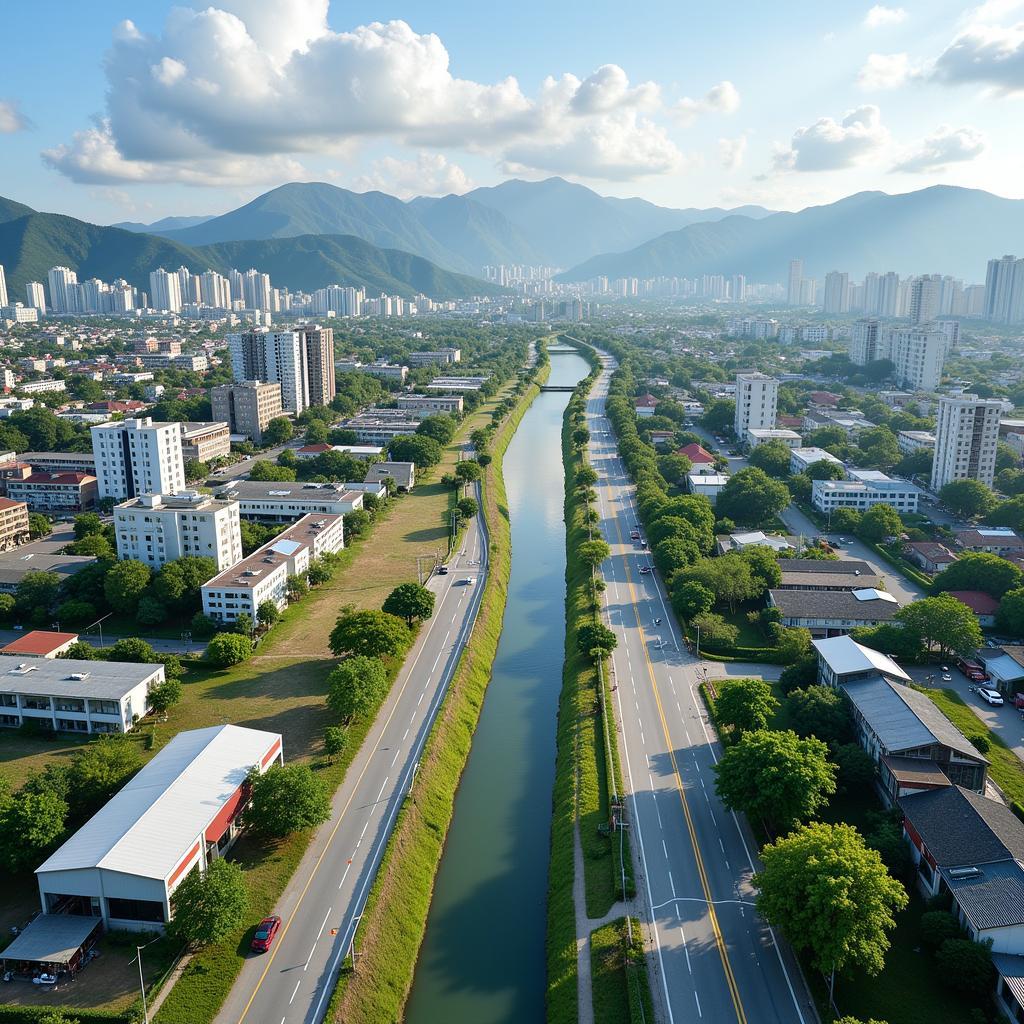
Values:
[(685, 948), (365, 827), (294, 990), (348, 868), (383, 784), (395, 758), (700, 1012), (665, 848), (406, 733), (672, 885)]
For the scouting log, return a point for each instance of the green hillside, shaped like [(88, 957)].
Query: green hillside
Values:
[(10, 210)]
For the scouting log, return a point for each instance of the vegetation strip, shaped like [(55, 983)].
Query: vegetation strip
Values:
[(394, 919), (618, 965)]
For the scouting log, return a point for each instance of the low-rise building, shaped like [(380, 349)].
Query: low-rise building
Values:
[(375, 427), (754, 538), (818, 574), (457, 383), (849, 422), (992, 540), (39, 643), (247, 406), (432, 404), (645, 405), (403, 473), (263, 575), (13, 524), (762, 435), (910, 441), (386, 371), (708, 484), (864, 489), (803, 458), (834, 612), (272, 502), (205, 441), (701, 460), (61, 462), (444, 356), (55, 493), (1005, 666), (932, 556), (36, 387)]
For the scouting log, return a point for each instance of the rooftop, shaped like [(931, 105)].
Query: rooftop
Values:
[(991, 896), (867, 605), (52, 938), (697, 454), (847, 657), (269, 490), (826, 566), (101, 680), (186, 500), (977, 600), (38, 643)]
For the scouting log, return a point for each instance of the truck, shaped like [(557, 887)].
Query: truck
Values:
[(974, 670)]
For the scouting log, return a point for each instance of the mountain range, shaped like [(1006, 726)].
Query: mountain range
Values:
[(942, 229)]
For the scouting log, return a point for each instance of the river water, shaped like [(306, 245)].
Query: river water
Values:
[(482, 960)]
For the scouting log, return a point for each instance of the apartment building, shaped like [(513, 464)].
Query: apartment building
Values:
[(444, 356), (910, 441), (159, 528), (457, 383), (247, 406), (386, 371), (61, 462), (864, 488), (138, 456), (273, 502), (918, 354), (757, 398), (55, 493), (275, 356), (13, 523), (263, 575), (318, 343), (864, 342), (966, 437), (432, 404), (205, 441)]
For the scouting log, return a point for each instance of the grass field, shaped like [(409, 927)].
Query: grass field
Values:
[(622, 994)]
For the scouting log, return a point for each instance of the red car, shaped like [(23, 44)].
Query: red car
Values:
[(265, 934)]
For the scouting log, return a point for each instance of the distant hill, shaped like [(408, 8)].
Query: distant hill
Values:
[(165, 224), (10, 210), (941, 229), (32, 243)]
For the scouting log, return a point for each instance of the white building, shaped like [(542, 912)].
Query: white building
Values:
[(837, 293), (757, 398), (276, 357), (179, 813), (63, 284), (864, 343), (918, 354), (866, 487), (708, 484), (1004, 290), (910, 441), (263, 575), (273, 502), (205, 441), (66, 695), (966, 437), (450, 404), (803, 458), (790, 438), (35, 295), (157, 528), (138, 456), (925, 298), (164, 290)]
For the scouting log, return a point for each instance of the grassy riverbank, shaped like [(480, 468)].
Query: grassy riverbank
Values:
[(618, 966), (395, 917)]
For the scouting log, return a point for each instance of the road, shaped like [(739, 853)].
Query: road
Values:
[(715, 958), (244, 467), (320, 907)]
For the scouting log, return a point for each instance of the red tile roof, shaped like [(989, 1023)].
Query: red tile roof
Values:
[(977, 600), (646, 402), (57, 478), (39, 642), (696, 454), (323, 446)]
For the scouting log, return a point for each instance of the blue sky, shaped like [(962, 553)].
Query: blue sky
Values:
[(195, 109)]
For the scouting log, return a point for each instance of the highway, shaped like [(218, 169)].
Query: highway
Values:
[(321, 906), (714, 959)]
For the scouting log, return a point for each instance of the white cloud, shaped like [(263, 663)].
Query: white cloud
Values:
[(223, 89), (829, 145), (11, 118), (430, 174), (732, 151), (885, 71), (986, 54), (943, 147), (723, 98), (881, 16)]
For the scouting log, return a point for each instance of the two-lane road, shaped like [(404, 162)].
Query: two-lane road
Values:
[(323, 901), (715, 958)]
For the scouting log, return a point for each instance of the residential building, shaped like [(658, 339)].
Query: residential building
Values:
[(752, 539), (983, 605), (794, 287), (381, 426), (865, 342), (274, 502), (803, 458), (55, 492), (444, 356), (966, 436), (708, 484), (403, 473), (178, 814), (63, 285), (990, 540), (13, 524), (925, 298), (456, 383), (36, 296), (864, 488), (833, 612), (852, 423), (644, 405), (386, 371), (910, 441), (837, 293), (66, 695), (164, 290), (818, 574), (318, 343), (757, 398), (275, 356), (432, 404), (38, 387), (247, 406), (263, 575), (701, 460), (39, 643), (790, 438), (918, 354), (932, 556), (61, 462), (159, 528), (205, 441), (1004, 290), (138, 456)]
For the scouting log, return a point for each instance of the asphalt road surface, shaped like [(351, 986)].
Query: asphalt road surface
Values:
[(714, 958), (321, 906)]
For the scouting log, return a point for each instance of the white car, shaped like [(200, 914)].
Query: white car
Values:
[(468, 581), (993, 697), (946, 677), (644, 569)]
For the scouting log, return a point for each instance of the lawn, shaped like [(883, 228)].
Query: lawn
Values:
[(619, 987)]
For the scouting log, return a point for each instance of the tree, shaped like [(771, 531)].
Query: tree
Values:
[(818, 711), (692, 598), (980, 571), (745, 705), (195, 469), (592, 552), (967, 498), (729, 577), (375, 634), (586, 476), (713, 631), (268, 613), (595, 636), (826, 469), (356, 687), (87, 523), (278, 431), (209, 906), (803, 672), (243, 625), (6, 606), (317, 432), (296, 587), (320, 571), (165, 695), (264, 469), (178, 583), (856, 767), (335, 741), (284, 799), (467, 507), (38, 526), (752, 498), (966, 966), (468, 471), (937, 926), (125, 584), (879, 522), (773, 457), (719, 415), (776, 777), (410, 601), (226, 649), (423, 451), (674, 468), (37, 589), (831, 896), (100, 769), (441, 428), (845, 520), (791, 642), (356, 522), (878, 448), (944, 622), (30, 824), (1010, 617), (95, 545), (133, 649)]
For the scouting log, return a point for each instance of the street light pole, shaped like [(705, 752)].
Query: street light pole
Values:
[(142, 983)]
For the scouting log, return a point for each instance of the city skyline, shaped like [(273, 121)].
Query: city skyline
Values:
[(904, 96)]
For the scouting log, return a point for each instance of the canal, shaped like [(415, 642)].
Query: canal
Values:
[(482, 960)]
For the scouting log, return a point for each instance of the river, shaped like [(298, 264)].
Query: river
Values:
[(482, 960)]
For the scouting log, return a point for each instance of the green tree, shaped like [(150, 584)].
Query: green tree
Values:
[(356, 522), (692, 598), (467, 507), (441, 428), (773, 457), (776, 777), (825, 469), (30, 824), (819, 711), (39, 526), (195, 469), (100, 769), (6, 607), (296, 587), (856, 766), (267, 613), (729, 577), (468, 470), (595, 636), (278, 431), (410, 601), (980, 571), (878, 448), (1010, 617), (879, 522), (831, 897), (586, 476), (791, 642), (423, 451), (165, 695), (317, 432), (178, 583), (592, 552), (264, 469), (226, 649), (285, 799), (335, 741), (713, 631), (210, 906), (745, 705), (375, 634), (845, 520), (37, 589), (125, 584), (752, 498), (937, 926), (320, 571), (966, 966), (133, 649), (87, 523), (967, 498), (95, 545), (942, 622), (356, 687), (719, 415)]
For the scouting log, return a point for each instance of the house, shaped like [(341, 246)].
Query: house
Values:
[(311, 451), (180, 812), (824, 399), (403, 473), (983, 605), (803, 458), (40, 643), (661, 438), (791, 422), (932, 556), (708, 484), (754, 538), (701, 460), (762, 435), (1005, 666), (817, 574), (993, 540), (914, 745), (829, 613), (851, 423), (645, 405)]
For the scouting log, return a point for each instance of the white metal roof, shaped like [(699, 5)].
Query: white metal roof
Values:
[(148, 827), (873, 594), (64, 677), (844, 655)]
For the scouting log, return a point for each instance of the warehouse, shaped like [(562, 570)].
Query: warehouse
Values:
[(179, 812)]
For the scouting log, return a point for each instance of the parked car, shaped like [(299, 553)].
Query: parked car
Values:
[(644, 569), (468, 581), (442, 570), (946, 677), (993, 697), (266, 932), (635, 535)]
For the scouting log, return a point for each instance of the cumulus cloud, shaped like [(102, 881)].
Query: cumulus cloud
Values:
[(223, 89), (732, 151), (885, 71), (829, 145), (723, 98), (430, 174), (11, 118), (881, 16), (986, 54), (944, 146)]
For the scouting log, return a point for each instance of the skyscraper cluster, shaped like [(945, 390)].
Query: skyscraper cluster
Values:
[(68, 295)]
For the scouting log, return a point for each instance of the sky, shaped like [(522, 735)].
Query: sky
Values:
[(113, 110)]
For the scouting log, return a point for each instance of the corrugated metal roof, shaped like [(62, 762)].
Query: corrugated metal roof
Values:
[(43, 677), (992, 898), (892, 721), (52, 938), (1011, 970), (149, 826), (845, 656)]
